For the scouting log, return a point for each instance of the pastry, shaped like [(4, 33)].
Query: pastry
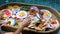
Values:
[(10, 7), (15, 6), (40, 26), (32, 12)]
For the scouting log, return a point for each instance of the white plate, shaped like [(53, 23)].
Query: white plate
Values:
[(18, 14), (9, 12), (12, 21), (45, 15)]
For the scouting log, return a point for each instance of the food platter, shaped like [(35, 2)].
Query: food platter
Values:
[(43, 17)]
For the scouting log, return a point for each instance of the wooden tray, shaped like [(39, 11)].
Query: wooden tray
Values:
[(12, 28)]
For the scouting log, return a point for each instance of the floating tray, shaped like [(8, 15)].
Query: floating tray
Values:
[(13, 28)]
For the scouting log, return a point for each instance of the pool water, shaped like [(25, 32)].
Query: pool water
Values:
[(51, 3), (59, 32)]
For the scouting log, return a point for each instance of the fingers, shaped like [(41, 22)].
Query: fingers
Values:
[(26, 22)]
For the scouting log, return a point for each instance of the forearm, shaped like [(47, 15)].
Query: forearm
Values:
[(20, 29), (24, 23)]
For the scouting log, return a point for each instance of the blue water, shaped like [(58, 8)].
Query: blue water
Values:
[(59, 32), (52, 3)]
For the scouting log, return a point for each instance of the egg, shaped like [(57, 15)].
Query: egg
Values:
[(22, 13), (47, 14)]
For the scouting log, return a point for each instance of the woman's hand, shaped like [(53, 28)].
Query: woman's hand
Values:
[(24, 23)]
